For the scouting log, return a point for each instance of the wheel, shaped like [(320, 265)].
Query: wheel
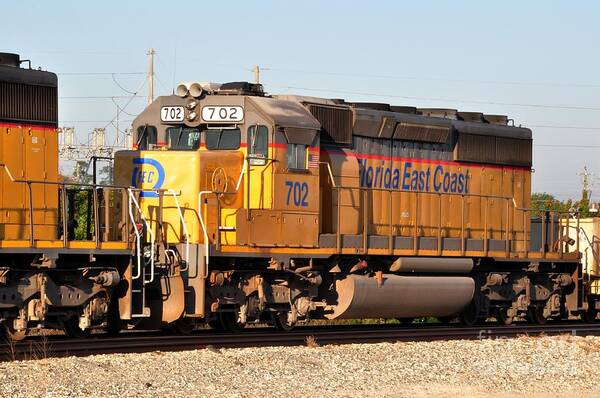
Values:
[(11, 333), (72, 329), (470, 315), (184, 325), (502, 316), (406, 321), (229, 322), (536, 315), (281, 323)]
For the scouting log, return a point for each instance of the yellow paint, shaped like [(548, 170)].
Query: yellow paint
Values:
[(178, 170), (58, 244), (29, 153)]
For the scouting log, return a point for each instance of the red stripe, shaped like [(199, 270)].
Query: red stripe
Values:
[(27, 125), (349, 153), (420, 160)]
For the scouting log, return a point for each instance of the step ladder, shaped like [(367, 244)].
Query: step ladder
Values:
[(140, 278)]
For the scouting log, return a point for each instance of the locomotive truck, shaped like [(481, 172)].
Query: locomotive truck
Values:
[(234, 206)]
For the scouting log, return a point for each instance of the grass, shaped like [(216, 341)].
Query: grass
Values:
[(311, 341)]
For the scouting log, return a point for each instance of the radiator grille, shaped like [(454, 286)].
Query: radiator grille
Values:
[(421, 132), (28, 103), (494, 150), (336, 123)]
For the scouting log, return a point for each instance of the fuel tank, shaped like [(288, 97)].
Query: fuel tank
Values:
[(395, 296)]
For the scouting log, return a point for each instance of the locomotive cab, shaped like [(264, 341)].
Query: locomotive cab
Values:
[(229, 167), (240, 146)]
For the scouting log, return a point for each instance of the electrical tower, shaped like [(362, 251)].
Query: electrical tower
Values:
[(586, 181), (96, 145)]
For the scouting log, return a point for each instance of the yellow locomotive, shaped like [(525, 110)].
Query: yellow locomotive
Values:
[(283, 208), (234, 206), (48, 279)]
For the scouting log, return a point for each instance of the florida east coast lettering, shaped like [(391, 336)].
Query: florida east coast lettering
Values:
[(406, 177)]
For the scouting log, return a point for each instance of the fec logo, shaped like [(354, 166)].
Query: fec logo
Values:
[(149, 174)]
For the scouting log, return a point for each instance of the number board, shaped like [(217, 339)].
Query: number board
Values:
[(215, 113), (171, 114)]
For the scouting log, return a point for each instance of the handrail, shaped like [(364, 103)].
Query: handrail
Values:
[(330, 173), (201, 217), (149, 229), (137, 238), (185, 230), (204, 232), (587, 238), (78, 184), (240, 177), (505, 227)]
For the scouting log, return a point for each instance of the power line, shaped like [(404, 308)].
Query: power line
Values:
[(91, 121), (102, 97), (376, 76), (567, 146), (132, 97), (114, 79), (563, 127), (122, 109), (443, 99), (98, 73)]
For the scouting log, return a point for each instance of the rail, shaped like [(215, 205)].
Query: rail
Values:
[(63, 210), (504, 227)]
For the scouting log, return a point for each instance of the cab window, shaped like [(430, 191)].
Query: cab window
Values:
[(258, 142), (221, 139), (296, 157), (146, 136), (183, 138)]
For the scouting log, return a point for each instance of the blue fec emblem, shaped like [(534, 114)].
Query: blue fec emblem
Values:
[(142, 177)]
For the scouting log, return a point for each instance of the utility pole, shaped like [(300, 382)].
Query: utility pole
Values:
[(150, 54), (256, 71)]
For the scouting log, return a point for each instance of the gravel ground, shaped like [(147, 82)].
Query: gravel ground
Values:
[(537, 366)]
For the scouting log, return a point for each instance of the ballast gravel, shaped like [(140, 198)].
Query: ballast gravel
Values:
[(562, 366)]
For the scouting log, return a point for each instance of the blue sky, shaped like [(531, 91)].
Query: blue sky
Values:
[(536, 61)]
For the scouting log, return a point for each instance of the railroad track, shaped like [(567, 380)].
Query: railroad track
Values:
[(129, 342)]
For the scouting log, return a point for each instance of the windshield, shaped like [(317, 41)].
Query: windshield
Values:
[(183, 138), (222, 138)]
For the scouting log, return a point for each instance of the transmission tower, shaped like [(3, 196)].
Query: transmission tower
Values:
[(96, 144), (586, 180)]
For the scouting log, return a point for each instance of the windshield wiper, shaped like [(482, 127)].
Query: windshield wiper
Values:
[(179, 137)]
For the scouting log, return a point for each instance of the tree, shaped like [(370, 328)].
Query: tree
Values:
[(81, 174), (105, 175), (542, 202)]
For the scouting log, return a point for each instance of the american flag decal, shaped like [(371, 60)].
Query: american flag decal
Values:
[(313, 159)]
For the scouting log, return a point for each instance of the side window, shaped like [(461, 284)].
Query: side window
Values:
[(146, 136), (296, 157), (258, 144)]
